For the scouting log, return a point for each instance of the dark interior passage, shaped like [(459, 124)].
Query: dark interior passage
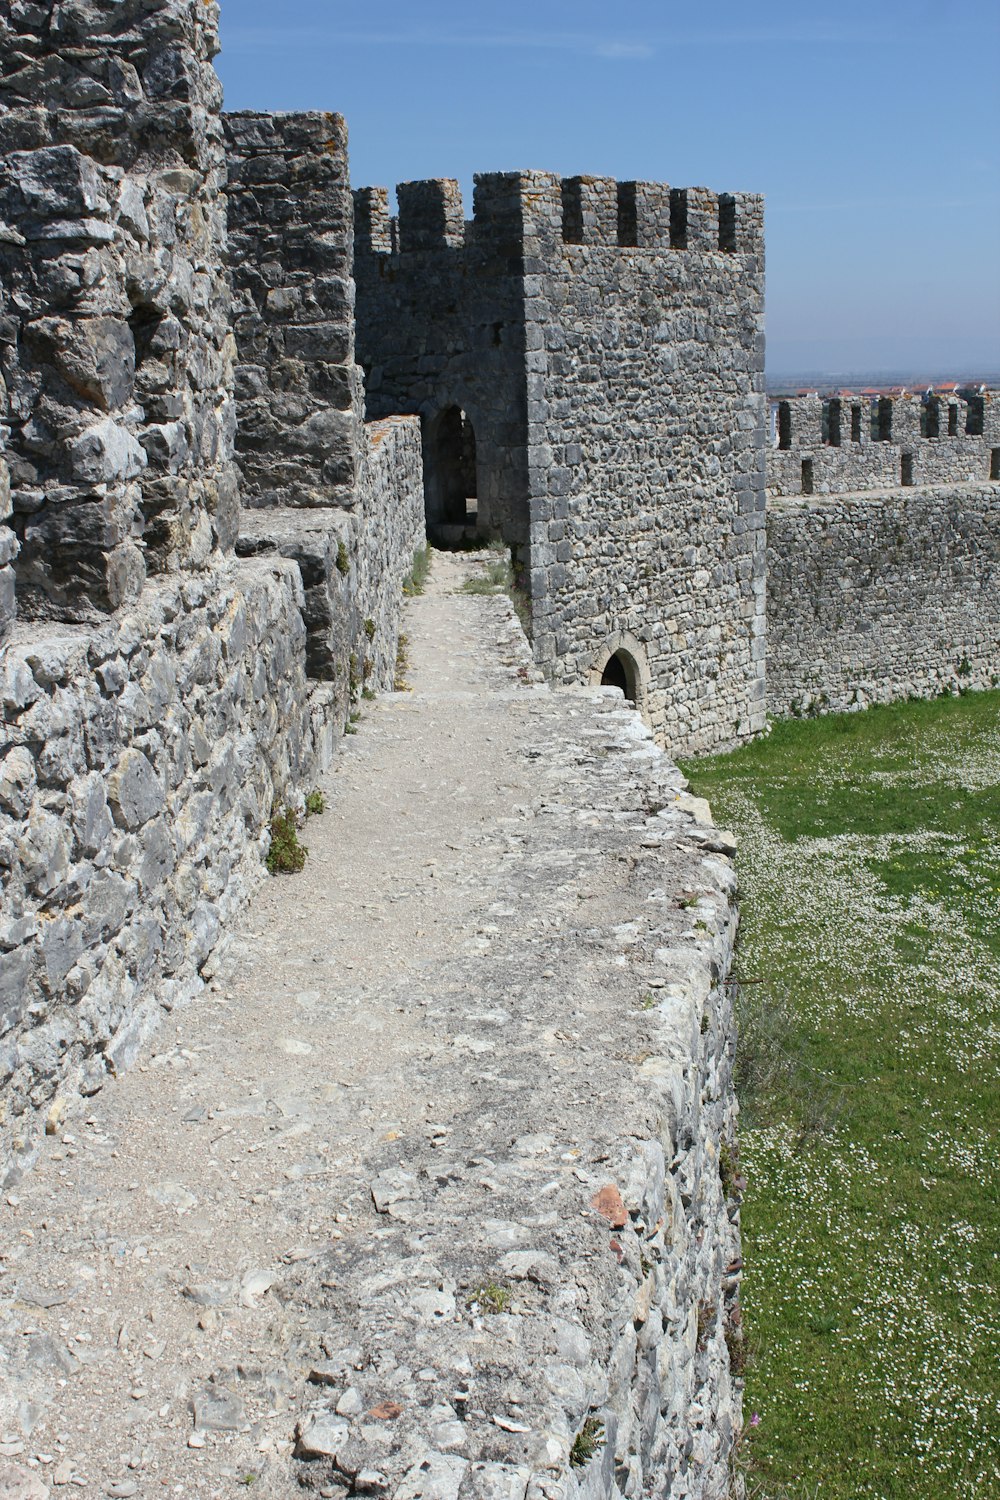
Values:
[(450, 480), (619, 672)]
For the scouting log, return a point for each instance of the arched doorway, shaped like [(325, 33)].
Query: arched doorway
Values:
[(621, 663), (450, 480), (621, 671)]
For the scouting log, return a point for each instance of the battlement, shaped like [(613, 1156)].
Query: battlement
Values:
[(515, 210), (863, 440)]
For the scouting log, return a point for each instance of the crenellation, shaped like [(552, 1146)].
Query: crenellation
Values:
[(652, 214), (856, 442), (590, 211), (372, 233), (431, 215), (291, 223), (702, 219)]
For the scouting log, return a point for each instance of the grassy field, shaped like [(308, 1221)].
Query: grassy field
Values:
[(869, 954)]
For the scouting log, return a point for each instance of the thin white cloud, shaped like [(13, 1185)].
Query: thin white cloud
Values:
[(266, 38), (625, 51), (806, 33), (851, 205)]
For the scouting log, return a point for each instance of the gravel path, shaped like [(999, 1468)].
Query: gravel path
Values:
[(235, 1244)]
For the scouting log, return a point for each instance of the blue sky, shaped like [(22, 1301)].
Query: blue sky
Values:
[(872, 128)]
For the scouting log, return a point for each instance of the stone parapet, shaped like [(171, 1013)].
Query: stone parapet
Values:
[(353, 564), (543, 1298), (855, 442), (140, 767), (877, 597)]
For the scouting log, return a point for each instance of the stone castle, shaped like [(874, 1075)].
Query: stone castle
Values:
[(235, 399)]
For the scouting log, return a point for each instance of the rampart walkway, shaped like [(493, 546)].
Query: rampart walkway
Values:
[(388, 1210)]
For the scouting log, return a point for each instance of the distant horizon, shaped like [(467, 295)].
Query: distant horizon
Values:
[(915, 377)]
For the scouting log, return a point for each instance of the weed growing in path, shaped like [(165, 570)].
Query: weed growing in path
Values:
[(286, 856), (414, 583), (490, 1298), (400, 684)]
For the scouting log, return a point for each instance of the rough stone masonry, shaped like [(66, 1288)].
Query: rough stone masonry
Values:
[(434, 1192), (214, 476), (162, 697), (604, 343)]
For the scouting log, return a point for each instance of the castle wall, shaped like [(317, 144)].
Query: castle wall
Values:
[(343, 498), (353, 563), (606, 341), (871, 599), (160, 697), (140, 764), (8, 541), (846, 444), (114, 338)]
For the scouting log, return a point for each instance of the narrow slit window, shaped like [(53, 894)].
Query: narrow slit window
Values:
[(628, 217), (807, 476), (727, 223), (952, 420), (884, 420), (678, 219), (572, 213), (784, 425), (855, 424), (831, 415), (995, 463), (906, 469), (931, 418)]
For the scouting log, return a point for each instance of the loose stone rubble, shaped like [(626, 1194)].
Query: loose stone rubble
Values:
[(439, 1173)]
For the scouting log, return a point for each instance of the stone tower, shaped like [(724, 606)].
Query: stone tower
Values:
[(592, 352)]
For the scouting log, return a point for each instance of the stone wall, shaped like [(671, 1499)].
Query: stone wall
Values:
[(114, 336), (342, 498), (604, 342), (441, 329), (586, 1169), (854, 442), (874, 598), (141, 763), (152, 724), (299, 391), (8, 541), (353, 562)]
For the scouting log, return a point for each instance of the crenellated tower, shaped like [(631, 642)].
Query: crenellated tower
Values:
[(586, 357)]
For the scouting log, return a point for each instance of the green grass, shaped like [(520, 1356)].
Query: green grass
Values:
[(870, 897), (501, 577), (415, 581)]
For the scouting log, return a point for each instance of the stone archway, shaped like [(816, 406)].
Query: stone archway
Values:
[(622, 663)]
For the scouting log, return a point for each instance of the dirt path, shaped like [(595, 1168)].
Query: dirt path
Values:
[(211, 1228)]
